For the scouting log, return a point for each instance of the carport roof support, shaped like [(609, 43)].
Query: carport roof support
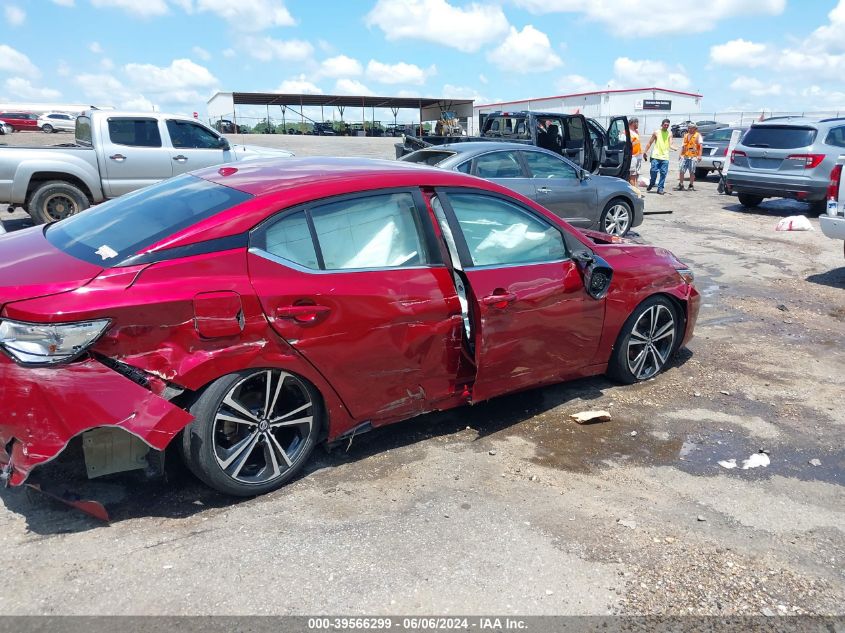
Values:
[(272, 98)]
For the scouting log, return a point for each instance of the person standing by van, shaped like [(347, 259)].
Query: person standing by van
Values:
[(636, 151), (662, 141)]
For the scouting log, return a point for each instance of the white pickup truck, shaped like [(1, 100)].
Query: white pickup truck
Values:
[(114, 153), (833, 223)]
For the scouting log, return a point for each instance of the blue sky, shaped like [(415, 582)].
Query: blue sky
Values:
[(174, 54)]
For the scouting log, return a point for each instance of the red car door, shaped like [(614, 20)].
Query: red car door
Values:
[(535, 322), (356, 287)]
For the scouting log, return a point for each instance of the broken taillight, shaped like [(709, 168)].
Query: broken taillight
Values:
[(810, 160), (833, 186)]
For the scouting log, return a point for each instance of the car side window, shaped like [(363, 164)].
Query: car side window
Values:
[(836, 137), (498, 232), (498, 165), (379, 231), (545, 166), (465, 167), (187, 135), (134, 132)]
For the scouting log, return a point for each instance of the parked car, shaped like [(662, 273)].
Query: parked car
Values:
[(20, 120), (715, 148), (833, 223), (704, 127), (251, 312), (5, 129), (324, 128), (56, 122), (679, 129), (115, 153), (786, 157), (590, 201), (228, 127)]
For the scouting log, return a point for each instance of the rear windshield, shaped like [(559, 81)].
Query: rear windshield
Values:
[(720, 135), (110, 232), (779, 137), (427, 158)]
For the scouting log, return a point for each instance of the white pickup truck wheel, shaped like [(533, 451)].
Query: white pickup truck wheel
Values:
[(55, 200)]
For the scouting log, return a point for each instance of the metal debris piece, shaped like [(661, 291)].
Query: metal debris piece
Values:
[(590, 417)]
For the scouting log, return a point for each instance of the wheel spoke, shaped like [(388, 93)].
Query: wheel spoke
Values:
[(240, 451), (239, 408), (639, 361), (270, 451), (652, 315), (663, 331), (279, 418), (281, 451), (231, 418), (637, 338), (661, 358), (297, 422), (268, 412)]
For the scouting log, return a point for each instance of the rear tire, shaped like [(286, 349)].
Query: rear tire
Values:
[(616, 218), (701, 173), (47, 128), (749, 201), (55, 200), (648, 340)]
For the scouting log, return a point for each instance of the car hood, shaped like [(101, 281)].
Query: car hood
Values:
[(31, 267), (258, 151)]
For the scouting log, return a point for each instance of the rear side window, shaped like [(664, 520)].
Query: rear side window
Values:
[(115, 230), (83, 130), (427, 158), (836, 137), (134, 132), (779, 137), (498, 165), (187, 135), (545, 166)]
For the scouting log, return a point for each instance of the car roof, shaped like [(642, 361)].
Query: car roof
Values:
[(477, 147), (796, 120)]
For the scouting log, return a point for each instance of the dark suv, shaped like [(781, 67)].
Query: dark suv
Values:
[(786, 157)]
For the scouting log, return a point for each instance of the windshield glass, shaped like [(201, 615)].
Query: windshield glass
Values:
[(110, 232), (427, 157), (779, 137)]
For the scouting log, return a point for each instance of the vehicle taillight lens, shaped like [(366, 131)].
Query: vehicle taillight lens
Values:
[(726, 152), (810, 160), (833, 186), (736, 154)]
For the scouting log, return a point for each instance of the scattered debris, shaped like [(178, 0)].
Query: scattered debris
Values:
[(782, 307), (701, 518), (815, 462), (697, 394), (727, 463), (670, 539), (627, 523), (726, 393), (755, 461), (794, 223), (492, 452), (590, 417), (633, 434)]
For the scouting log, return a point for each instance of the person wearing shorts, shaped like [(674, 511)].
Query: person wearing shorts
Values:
[(690, 155), (636, 151)]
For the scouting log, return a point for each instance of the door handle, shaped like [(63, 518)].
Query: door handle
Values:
[(180, 158), (305, 314), (543, 190), (118, 157), (499, 300)]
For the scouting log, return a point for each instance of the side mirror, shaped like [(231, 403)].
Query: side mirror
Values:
[(583, 174), (596, 272), (223, 144)]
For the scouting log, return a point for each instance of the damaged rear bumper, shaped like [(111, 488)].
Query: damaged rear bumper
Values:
[(43, 408)]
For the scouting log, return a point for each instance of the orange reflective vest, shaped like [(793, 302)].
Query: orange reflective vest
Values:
[(636, 148), (691, 147)]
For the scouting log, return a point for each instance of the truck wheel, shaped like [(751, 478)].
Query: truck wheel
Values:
[(47, 128), (55, 200), (749, 201)]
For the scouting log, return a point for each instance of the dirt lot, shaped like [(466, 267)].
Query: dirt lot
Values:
[(508, 507)]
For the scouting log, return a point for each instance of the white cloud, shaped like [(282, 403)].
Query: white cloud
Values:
[(822, 98), (63, 69), (105, 89), (106, 63), (15, 16), (739, 53), (248, 15), (24, 89), (229, 53), (351, 87), (829, 36), (400, 73), (267, 49), (574, 84), (483, 79), (647, 73), (12, 61), (640, 19), (340, 66), (462, 92), (182, 74), (64, 3), (300, 85), (755, 87), (143, 9), (95, 48), (526, 51), (200, 52), (466, 29)]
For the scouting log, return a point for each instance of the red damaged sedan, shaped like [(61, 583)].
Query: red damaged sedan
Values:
[(248, 313)]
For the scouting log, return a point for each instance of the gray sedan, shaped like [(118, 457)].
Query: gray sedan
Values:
[(585, 200), (714, 148)]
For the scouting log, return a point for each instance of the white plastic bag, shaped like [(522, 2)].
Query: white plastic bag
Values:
[(794, 223)]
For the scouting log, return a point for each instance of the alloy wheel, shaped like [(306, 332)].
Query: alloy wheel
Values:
[(262, 427), (617, 220), (651, 341)]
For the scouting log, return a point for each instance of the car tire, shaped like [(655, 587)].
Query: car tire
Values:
[(647, 342), (12, 129), (701, 173), (617, 217), (749, 201), (55, 200), (47, 128), (231, 445), (818, 207)]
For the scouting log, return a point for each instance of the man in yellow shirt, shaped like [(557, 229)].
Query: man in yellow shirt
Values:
[(690, 155), (662, 141)]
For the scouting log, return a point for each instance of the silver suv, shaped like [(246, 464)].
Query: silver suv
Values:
[(786, 157)]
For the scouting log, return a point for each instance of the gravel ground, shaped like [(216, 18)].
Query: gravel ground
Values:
[(508, 507)]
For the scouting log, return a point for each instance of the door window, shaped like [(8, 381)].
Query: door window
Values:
[(134, 132), (381, 231), (836, 137), (498, 232), (546, 166), (187, 135), (498, 165)]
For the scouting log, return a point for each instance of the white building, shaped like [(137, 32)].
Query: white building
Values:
[(650, 105)]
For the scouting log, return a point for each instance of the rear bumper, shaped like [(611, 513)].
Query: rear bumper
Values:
[(768, 186), (43, 408), (833, 227)]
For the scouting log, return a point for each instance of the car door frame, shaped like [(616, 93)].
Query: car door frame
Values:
[(583, 199), (616, 160)]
